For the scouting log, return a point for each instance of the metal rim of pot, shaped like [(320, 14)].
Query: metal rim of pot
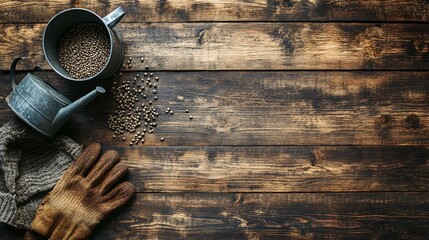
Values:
[(107, 28)]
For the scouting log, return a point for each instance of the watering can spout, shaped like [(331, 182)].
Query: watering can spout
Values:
[(66, 112)]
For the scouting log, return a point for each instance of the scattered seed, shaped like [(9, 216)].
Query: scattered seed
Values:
[(146, 67), (190, 117), (186, 111), (162, 139)]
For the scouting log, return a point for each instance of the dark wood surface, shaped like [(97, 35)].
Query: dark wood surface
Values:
[(310, 117)]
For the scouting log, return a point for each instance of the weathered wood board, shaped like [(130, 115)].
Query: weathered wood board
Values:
[(265, 108), (272, 216), (250, 46), (234, 10), (277, 169), (266, 216)]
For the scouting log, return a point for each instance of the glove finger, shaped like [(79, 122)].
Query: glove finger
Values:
[(118, 196), (116, 173), (86, 159), (102, 167)]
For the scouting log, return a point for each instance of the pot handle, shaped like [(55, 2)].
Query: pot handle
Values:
[(114, 17)]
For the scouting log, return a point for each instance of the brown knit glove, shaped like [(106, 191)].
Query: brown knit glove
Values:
[(83, 196)]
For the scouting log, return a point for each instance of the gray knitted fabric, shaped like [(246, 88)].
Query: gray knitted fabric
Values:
[(30, 166)]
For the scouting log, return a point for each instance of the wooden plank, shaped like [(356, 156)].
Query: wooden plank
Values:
[(272, 216), (233, 10), (251, 46), (277, 169), (268, 216), (266, 108)]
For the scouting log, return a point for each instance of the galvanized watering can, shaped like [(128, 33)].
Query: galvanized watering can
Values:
[(40, 106)]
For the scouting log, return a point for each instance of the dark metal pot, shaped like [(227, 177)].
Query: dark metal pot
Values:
[(66, 19)]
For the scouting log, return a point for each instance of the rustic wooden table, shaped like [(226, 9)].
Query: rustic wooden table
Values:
[(310, 117)]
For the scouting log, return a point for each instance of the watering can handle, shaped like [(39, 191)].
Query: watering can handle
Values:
[(114, 17), (12, 71)]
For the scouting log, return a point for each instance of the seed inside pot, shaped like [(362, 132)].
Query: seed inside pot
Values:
[(83, 50)]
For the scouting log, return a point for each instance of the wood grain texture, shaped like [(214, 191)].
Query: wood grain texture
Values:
[(233, 10), (272, 216), (251, 46), (277, 169), (265, 108), (267, 216)]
